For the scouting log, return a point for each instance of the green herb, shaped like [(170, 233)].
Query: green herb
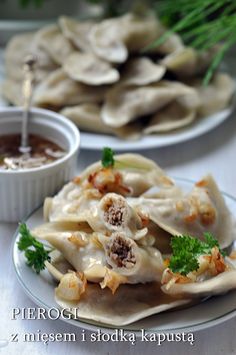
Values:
[(107, 157), (186, 251), (35, 252), (202, 24), (109, 161)]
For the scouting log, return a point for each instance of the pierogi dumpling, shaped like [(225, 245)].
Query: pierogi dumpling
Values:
[(112, 39), (106, 43), (216, 96), (52, 40), (173, 116), (58, 90), (136, 263), (77, 32), (80, 248), (201, 210), (88, 117), (187, 62), (89, 69), (112, 214), (12, 91), (125, 104), (141, 71), (132, 175), (129, 304), (18, 48), (215, 275)]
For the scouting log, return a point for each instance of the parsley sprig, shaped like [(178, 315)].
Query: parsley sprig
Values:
[(108, 157), (35, 252), (186, 251)]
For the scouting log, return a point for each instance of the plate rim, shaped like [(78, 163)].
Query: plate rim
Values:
[(188, 132), (94, 326)]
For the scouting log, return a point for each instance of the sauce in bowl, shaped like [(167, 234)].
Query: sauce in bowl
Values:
[(43, 151)]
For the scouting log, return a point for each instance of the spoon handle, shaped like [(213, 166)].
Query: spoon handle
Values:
[(27, 90)]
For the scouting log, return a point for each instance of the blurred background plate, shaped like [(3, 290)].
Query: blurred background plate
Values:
[(97, 141), (199, 127)]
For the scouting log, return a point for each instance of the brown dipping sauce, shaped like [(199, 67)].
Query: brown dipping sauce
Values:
[(42, 152)]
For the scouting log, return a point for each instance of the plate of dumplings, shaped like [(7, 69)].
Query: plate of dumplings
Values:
[(134, 248), (121, 93)]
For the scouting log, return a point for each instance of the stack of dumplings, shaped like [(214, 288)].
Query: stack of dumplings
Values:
[(98, 75), (112, 227)]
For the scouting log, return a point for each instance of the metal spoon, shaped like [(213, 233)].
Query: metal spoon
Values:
[(27, 90)]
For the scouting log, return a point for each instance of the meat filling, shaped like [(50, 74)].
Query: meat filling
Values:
[(121, 253), (114, 213)]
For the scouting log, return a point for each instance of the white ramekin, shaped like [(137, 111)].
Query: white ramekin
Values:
[(24, 190)]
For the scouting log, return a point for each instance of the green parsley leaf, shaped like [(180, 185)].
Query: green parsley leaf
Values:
[(107, 157), (211, 241), (35, 252), (186, 251), (183, 263)]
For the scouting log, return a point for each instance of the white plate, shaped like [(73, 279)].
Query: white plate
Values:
[(99, 141), (40, 288)]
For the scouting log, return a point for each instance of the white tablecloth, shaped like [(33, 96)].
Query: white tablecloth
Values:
[(214, 152)]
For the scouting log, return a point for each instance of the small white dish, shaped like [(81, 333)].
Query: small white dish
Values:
[(21, 191), (211, 312)]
